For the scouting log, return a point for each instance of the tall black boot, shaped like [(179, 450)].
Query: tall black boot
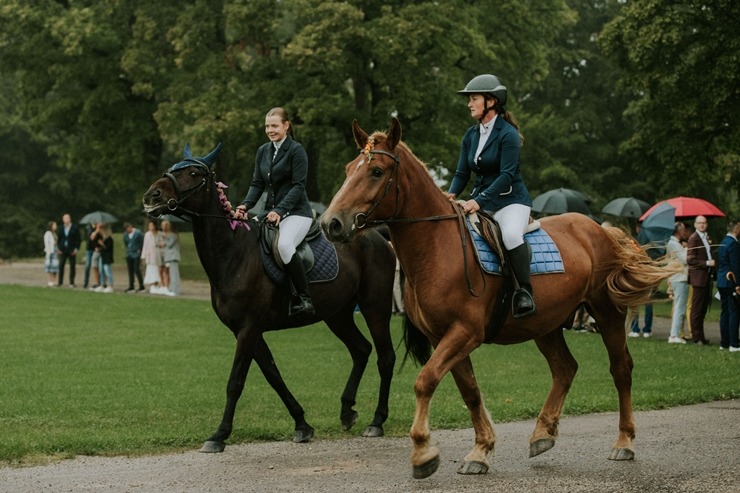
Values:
[(297, 275), (523, 302)]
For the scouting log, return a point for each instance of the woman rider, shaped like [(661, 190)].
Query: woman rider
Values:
[(490, 149)]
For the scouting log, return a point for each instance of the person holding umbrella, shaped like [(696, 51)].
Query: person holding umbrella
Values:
[(728, 284), (490, 149), (701, 270)]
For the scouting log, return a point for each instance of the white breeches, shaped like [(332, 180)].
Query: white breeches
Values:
[(513, 220), (293, 230)]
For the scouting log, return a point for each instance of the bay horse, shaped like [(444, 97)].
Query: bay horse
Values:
[(249, 303), (603, 268)]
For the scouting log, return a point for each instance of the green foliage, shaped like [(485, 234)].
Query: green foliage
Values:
[(118, 374), (109, 92), (679, 63)]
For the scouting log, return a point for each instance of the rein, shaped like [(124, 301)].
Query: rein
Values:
[(361, 219)]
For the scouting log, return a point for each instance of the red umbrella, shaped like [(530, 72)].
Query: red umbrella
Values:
[(689, 207)]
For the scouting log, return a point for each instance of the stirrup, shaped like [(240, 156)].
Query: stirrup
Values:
[(303, 306), (522, 304)]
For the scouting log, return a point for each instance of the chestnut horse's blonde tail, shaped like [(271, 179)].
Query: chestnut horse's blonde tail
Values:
[(633, 275)]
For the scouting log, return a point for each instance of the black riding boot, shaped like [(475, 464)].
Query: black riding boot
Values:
[(303, 305), (523, 302)]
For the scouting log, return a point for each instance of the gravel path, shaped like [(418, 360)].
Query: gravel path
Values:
[(683, 449)]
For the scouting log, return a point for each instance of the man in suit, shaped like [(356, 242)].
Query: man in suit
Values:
[(701, 269), (134, 242), (728, 284), (68, 243)]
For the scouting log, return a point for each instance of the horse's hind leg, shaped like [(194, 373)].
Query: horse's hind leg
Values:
[(611, 328), (303, 432), (344, 327), (563, 368)]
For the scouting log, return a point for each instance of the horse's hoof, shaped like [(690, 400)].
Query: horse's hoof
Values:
[(425, 470), (302, 435), (212, 447), (622, 454), (541, 446), (373, 431), (349, 420), (473, 467)]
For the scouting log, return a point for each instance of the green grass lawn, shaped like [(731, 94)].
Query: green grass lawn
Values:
[(84, 373)]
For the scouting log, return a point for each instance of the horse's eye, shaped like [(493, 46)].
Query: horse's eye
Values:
[(377, 172)]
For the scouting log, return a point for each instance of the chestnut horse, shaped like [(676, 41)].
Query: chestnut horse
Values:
[(249, 303), (450, 299)]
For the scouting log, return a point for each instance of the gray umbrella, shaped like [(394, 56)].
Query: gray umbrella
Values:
[(561, 200), (98, 217), (626, 207)]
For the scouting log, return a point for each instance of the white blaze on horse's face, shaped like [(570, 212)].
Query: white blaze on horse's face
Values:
[(360, 163)]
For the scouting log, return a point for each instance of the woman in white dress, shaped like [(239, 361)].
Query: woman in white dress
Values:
[(51, 261)]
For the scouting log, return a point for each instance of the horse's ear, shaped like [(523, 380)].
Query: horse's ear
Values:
[(394, 134), (211, 157), (360, 135), (186, 152)]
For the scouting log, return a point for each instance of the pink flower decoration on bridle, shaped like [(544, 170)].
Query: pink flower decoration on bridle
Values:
[(226, 206)]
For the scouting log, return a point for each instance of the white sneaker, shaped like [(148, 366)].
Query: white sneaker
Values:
[(108, 290), (633, 334), (99, 289), (169, 293), (647, 334), (153, 289), (734, 349), (675, 340)]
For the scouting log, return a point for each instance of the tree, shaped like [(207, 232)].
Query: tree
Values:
[(680, 66)]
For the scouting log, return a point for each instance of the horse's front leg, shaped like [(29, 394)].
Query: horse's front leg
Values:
[(242, 360), (303, 432), (454, 347), (563, 369), (476, 462)]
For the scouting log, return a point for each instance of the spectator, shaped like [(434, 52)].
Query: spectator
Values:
[(133, 240), (171, 259), (151, 258), (95, 241), (89, 250), (701, 270), (106, 256), (51, 261), (678, 284), (728, 271), (68, 243)]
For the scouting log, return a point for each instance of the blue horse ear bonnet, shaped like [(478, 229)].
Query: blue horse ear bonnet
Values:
[(193, 161)]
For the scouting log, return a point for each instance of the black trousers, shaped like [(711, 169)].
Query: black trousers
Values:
[(72, 261), (134, 268)]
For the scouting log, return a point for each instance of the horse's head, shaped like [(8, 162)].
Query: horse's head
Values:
[(177, 192), (370, 190)]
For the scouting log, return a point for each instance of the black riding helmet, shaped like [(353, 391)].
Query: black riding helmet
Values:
[(488, 85)]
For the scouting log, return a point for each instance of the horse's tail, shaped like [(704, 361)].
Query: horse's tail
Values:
[(633, 274), (417, 344)]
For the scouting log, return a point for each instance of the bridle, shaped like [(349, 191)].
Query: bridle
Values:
[(175, 204), (361, 218), (182, 195)]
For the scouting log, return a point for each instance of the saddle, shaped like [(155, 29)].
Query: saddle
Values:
[(269, 234), (484, 224)]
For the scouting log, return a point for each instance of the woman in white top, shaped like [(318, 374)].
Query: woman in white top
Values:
[(151, 258), (51, 261)]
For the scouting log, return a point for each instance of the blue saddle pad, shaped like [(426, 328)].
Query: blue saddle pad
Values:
[(325, 267), (546, 258)]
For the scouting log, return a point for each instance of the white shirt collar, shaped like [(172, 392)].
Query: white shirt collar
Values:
[(485, 128)]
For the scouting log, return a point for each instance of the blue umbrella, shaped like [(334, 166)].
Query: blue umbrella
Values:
[(657, 228)]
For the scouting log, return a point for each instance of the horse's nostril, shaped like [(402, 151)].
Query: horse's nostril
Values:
[(335, 228)]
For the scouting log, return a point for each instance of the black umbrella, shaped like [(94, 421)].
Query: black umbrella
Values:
[(626, 207), (561, 200), (98, 217)]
